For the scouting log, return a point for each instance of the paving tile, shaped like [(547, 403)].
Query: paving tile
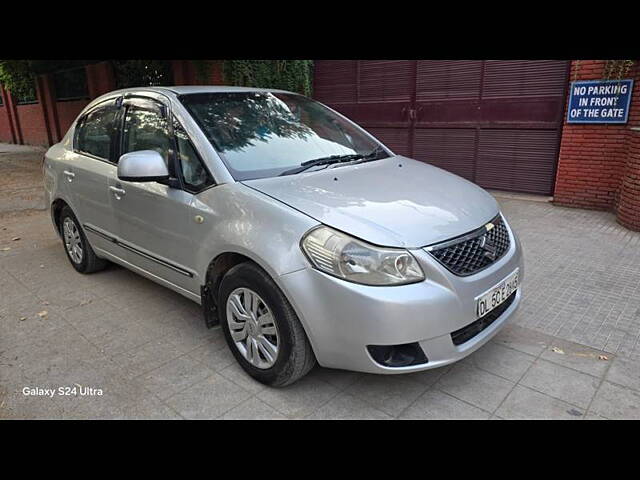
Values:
[(389, 393), (59, 369), (147, 357), (15, 405), (348, 407), (209, 398), (175, 376), (149, 408), (64, 295), (625, 372), (213, 356), (118, 394), (561, 382), (437, 405), (253, 409), (504, 362), (299, 399), (616, 403), (12, 290), (236, 374), (522, 339), (578, 357), (526, 404), (428, 377), (470, 384), (126, 339), (91, 309), (33, 329), (188, 342), (593, 416), (340, 379), (95, 326)]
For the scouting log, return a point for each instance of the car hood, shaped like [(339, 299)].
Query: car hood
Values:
[(395, 202)]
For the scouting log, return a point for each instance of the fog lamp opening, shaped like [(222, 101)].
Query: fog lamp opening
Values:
[(395, 356)]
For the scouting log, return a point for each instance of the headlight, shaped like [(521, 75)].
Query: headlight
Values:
[(343, 256)]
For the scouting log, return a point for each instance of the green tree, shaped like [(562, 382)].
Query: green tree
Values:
[(293, 75), (17, 76)]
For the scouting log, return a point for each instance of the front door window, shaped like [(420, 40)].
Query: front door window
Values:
[(146, 129)]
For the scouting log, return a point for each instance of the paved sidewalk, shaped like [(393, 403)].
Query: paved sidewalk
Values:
[(21, 178), (571, 352)]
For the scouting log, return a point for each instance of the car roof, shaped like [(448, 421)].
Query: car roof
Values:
[(187, 89)]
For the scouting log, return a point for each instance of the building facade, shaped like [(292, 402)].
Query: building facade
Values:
[(499, 123)]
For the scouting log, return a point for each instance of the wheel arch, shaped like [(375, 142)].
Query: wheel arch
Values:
[(216, 270), (56, 210)]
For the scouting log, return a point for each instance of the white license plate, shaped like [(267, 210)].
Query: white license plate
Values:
[(497, 295)]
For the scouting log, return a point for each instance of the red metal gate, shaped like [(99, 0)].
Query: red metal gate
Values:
[(494, 122)]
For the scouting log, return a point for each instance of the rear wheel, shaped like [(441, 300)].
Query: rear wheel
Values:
[(261, 328), (76, 245)]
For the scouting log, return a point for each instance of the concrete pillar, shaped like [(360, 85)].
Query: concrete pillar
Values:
[(46, 94), (8, 110), (13, 116)]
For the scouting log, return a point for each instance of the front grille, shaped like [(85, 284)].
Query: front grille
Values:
[(474, 251), (467, 333)]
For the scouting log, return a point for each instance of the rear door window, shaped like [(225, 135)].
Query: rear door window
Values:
[(97, 131)]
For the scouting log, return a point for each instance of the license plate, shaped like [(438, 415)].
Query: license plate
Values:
[(497, 295)]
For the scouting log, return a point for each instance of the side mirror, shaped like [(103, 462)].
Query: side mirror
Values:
[(142, 166)]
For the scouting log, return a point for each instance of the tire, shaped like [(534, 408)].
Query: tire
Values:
[(87, 261), (295, 356)]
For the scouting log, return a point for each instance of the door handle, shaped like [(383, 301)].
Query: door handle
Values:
[(69, 175), (118, 192)]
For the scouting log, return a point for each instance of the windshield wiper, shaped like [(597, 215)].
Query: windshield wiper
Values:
[(322, 161), (333, 159)]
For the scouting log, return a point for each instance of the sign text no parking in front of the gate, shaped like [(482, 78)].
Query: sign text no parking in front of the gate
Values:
[(599, 101)]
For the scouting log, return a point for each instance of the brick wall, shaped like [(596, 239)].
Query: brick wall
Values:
[(593, 158), (32, 124), (629, 204)]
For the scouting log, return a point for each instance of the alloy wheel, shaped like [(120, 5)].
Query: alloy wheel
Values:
[(72, 240)]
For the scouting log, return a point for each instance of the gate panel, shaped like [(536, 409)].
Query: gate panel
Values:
[(495, 122), (397, 139), (450, 148), (517, 159), (335, 82)]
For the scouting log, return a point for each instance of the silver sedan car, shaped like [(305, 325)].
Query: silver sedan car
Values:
[(297, 231)]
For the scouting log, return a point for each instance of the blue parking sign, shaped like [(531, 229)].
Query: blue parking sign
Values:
[(600, 101)]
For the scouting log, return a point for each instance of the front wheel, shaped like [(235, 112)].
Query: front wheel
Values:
[(261, 328)]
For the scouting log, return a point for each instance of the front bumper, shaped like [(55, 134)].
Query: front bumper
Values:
[(341, 318)]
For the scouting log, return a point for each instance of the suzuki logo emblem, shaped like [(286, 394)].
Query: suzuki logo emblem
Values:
[(489, 247)]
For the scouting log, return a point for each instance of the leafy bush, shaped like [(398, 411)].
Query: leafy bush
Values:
[(294, 75), (142, 73), (17, 77)]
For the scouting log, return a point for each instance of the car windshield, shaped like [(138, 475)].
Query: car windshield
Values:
[(263, 134)]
